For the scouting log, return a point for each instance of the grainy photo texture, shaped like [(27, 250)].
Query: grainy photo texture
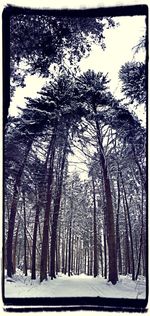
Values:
[(75, 192)]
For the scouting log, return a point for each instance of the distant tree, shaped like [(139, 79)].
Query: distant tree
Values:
[(134, 76), (134, 81)]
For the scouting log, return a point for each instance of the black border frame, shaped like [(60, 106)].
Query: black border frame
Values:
[(73, 303)]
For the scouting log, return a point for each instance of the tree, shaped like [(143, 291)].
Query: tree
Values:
[(94, 222), (42, 38), (94, 87), (57, 200), (13, 211), (28, 126), (134, 77), (45, 243), (134, 81)]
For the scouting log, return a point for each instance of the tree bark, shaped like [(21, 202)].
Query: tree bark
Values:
[(95, 231), (36, 222), (105, 257), (117, 229), (130, 228), (85, 261), (111, 238), (45, 242), (88, 269), (144, 181), (13, 211), (77, 254), (15, 247), (127, 248), (66, 254), (25, 237), (141, 242), (70, 234), (69, 250), (72, 254), (101, 257), (63, 257), (56, 213)]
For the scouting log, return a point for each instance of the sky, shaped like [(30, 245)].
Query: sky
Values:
[(119, 50)]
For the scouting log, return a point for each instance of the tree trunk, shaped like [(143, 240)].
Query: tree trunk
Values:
[(15, 247), (36, 222), (58, 253), (127, 248), (25, 237), (130, 228), (111, 238), (117, 229), (101, 257), (140, 169), (72, 254), (66, 254), (45, 242), (13, 211), (141, 242), (88, 268), (63, 256), (95, 231), (56, 213), (91, 261), (69, 251), (85, 261), (105, 257), (77, 254)]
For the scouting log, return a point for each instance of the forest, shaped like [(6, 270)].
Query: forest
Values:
[(91, 219)]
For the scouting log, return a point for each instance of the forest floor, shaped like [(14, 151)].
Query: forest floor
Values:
[(74, 286)]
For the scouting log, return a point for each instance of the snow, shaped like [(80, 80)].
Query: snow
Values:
[(74, 286)]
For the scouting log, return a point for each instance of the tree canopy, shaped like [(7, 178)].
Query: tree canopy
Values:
[(39, 40), (134, 82)]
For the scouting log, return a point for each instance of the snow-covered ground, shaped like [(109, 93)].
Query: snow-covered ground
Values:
[(74, 286)]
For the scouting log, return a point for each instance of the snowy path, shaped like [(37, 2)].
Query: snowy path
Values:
[(75, 286)]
